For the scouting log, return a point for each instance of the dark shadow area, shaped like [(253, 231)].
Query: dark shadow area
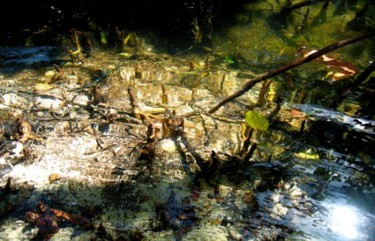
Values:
[(42, 21)]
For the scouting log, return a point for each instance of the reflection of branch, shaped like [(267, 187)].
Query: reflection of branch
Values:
[(75, 41), (248, 85)]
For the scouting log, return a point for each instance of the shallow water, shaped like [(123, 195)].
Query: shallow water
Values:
[(311, 176)]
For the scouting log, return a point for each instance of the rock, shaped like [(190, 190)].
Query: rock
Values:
[(54, 177), (49, 74), (279, 210)]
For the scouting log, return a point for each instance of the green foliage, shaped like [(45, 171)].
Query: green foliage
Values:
[(231, 61), (256, 120), (103, 37)]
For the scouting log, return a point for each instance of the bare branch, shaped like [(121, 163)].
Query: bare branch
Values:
[(248, 85)]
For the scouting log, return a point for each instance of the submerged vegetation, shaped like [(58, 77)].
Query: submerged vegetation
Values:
[(205, 120)]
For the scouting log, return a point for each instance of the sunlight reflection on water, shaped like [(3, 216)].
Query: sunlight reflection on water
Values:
[(345, 221)]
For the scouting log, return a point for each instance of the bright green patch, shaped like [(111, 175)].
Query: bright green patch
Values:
[(256, 120), (231, 61), (308, 154)]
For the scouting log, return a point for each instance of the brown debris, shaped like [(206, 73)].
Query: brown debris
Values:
[(57, 76), (342, 69), (135, 108), (24, 131), (164, 96), (207, 66), (249, 198), (72, 218), (173, 126), (138, 71), (45, 220), (192, 65), (178, 216), (195, 192), (41, 207), (297, 114), (46, 225)]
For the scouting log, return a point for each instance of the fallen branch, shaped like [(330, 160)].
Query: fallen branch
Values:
[(248, 85)]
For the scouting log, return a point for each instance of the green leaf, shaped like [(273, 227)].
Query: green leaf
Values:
[(256, 120), (103, 38), (308, 154), (229, 60)]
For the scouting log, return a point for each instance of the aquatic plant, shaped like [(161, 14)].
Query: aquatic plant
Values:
[(256, 120), (231, 61)]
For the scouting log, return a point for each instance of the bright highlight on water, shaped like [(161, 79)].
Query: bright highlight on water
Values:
[(345, 222)]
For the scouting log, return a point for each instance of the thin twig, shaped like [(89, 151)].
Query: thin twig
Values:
[(248, 85)]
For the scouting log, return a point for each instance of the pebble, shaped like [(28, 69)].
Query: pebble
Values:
[(54, 177)]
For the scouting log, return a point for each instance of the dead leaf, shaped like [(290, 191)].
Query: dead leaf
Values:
[(341, 70)]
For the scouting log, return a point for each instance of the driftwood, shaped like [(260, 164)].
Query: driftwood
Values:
[(248, 85)]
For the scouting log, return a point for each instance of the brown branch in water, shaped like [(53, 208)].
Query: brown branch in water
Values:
[(75, 41), (72, 218), (263, 91), (164, 95), (198, 159), (365, 74), (248, 85), (361, 78), (246, 143), (251, 152), (133, 104), (290, 8)]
